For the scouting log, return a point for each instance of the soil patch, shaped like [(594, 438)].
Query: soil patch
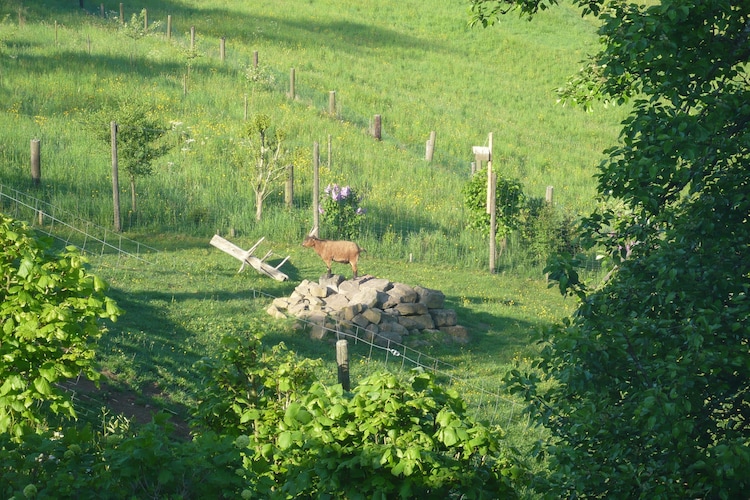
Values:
[(139, 407)]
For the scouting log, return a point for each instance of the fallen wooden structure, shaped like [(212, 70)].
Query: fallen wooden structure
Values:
[(247, 257)]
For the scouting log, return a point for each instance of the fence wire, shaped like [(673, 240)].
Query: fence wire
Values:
[(69, 229), (484, 404)]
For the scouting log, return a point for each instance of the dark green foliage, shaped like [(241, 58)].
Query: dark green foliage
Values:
[(119, 463), (509, 199), (50, 308), (546, 230), (646, 387)]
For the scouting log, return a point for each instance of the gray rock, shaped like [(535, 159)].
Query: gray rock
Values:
[(372, 315), (433, 299), (379, 284), (411, 309), (336, 302), (420, 322), (444, 317), (274, 311), (366, 296)]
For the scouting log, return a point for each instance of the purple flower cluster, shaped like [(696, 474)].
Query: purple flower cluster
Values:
[(338, 193)]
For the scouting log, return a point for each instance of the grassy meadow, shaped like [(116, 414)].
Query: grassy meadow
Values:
[(420, 68)]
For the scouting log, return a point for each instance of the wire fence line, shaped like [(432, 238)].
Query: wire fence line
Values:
[(486, 404), (70, 229)]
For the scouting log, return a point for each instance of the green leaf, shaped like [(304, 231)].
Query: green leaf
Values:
[(42, 386)]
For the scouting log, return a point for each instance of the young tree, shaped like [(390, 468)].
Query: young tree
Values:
[(138, 145), (647, 387), (267, 159), (509, 199), (50, 308)]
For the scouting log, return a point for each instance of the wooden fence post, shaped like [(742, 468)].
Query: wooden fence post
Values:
[(192, 39), (291, 84), (342, 360), (169, 26), (145, 20), (101, 9), (332, 102), (222, 49), (493, 223), (115, 178), (316, 189), (122, 13), (548, 196), (430, 149), (377, 127), (255, 59), (36, 164)]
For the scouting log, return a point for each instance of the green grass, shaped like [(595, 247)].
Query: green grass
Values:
[(179, 306), (421, 69)]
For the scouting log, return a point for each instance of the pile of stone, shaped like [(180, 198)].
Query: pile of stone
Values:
[(381, 310)]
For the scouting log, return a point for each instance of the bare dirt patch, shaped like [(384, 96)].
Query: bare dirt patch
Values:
[(138, 406)]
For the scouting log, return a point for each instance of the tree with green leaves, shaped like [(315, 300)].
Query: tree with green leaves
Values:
[(509, 200), (139, 132), (646, 388), (50, 311), (262, 151)]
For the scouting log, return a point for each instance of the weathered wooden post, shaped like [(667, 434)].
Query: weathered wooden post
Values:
[(145, 20), (255, 59), (316, 189), (192, 39), (491, 205), (36, 164), (101, 9), (484, 153), (548, 196), (55, 32), (222, 48), (377, 127), (122, 13), (430, 148), (291, 84), (169, 26), (493, 223), (342, 360), (332, 102), (115, 178)]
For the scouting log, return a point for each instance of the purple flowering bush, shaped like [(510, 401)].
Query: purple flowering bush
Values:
[(340, 211)]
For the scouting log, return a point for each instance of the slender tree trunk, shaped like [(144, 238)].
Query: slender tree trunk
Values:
[(132, 194), (258, 205)]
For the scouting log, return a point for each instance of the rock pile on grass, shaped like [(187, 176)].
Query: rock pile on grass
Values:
[(378, 309)]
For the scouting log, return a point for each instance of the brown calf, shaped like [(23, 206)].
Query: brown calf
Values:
[(344, 252)]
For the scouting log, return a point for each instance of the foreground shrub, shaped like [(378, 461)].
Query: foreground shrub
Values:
[(119, 462), (50, 308), (388, 438)]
